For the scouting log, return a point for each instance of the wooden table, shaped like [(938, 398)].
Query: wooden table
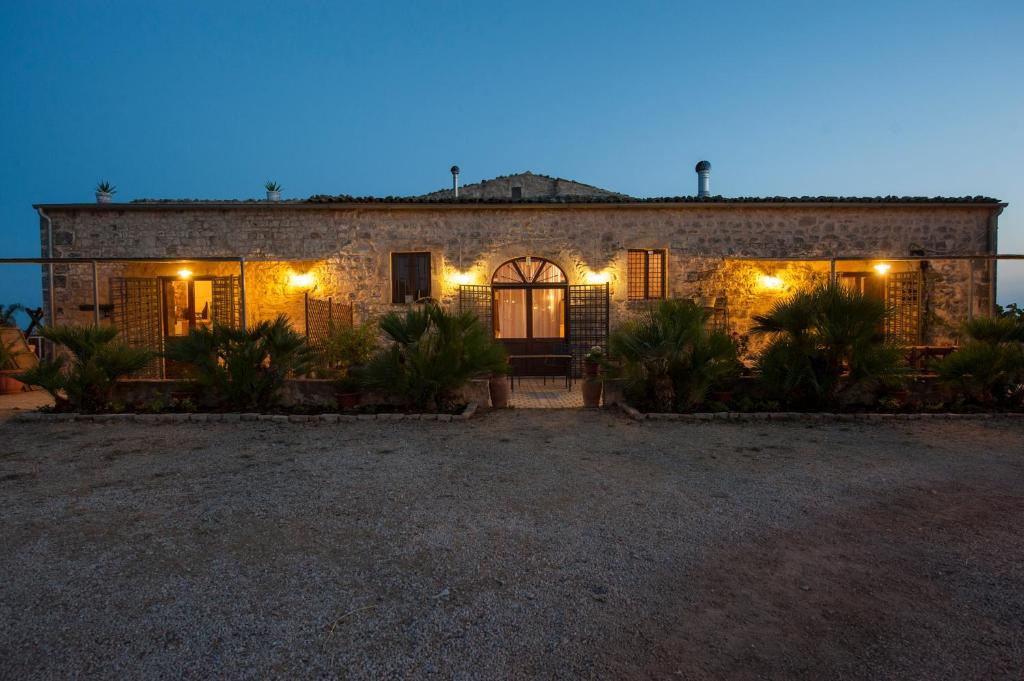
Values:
[(559, 358)]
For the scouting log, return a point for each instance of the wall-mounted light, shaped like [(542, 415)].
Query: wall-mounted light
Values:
[(770, 283), (596, 277), (883, 268), (462, 278), (304, 280), (184, 274)]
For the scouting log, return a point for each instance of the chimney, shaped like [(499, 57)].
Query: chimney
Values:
[(703, 179), (455, 180)]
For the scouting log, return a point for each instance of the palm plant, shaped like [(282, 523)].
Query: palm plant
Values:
[(243, 368), (7, 313), (105, 187), (824, 341), (989, 367), (668, 357), (432, 354), (272, 186), (85, 377), (8, 355)]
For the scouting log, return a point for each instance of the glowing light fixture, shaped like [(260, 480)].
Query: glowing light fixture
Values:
[(883, 268), (596, 277), (184, 274), (770, 283), (462, 278), (303, 281)]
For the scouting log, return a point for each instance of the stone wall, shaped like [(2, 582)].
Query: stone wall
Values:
[(348, 247)]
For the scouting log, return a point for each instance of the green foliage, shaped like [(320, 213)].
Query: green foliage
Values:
[(243, 368), (989, 367), (272, 186), (347, 346), (432, 354), (105, 187), (669, 358), (824, 341), (7, 313), (1012, 310), (9, 353), (85, 380)]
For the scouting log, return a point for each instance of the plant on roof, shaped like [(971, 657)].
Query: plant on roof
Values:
[(105, 187), (989, 367), (272, 186), (669, 359), (83, 378), (7, 313), (243, 368), (825, 342), (433, 353)]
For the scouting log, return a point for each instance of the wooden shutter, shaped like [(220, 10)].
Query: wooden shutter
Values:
[(588, 320), (903, 300), (137, 316), (226, 302)]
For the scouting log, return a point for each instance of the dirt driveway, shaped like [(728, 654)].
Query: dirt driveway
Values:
[(517, 545)]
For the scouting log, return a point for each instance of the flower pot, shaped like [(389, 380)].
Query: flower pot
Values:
[(592, 388), (590, 368), (705, 301), (273, 195), (499, 391), (104, 197), (347, 401), (9, 385)]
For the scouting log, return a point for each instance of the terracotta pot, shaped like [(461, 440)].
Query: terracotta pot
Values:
[(499, 391), (9, 385), (348, 401), (590, 368), (592, 392)]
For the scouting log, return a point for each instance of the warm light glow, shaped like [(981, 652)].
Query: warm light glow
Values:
[(304, 281), (184, 274), (462, 278), (771, 283), (596, 277), (883, 268)]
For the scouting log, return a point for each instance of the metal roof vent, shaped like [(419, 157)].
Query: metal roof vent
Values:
[(455, 180), (703, 178)]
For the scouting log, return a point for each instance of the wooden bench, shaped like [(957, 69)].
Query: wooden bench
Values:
[(518, 364)]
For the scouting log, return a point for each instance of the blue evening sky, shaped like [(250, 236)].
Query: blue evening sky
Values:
[(211, 99)]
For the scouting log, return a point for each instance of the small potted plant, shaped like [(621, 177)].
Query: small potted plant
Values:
[(345, 349), (592, 385), (273, 191), (105, 192), (8, 366)]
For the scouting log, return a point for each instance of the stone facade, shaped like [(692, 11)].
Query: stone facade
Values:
[(347, 246)]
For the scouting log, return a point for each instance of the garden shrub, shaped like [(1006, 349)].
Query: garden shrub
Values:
[(989, 367), (83, 379), (243, 369), (668, 358), (825, 342), (433, 353)]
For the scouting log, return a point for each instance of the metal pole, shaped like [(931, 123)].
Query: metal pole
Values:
[(95, 294), (305, 309), (241, 290), (970, 293)]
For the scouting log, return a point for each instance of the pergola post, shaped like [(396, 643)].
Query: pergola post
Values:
[(241, 290), (95, 294), (970, 291), (832, 271)]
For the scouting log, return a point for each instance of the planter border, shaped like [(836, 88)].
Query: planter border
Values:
[(34, 416), (638, 415)]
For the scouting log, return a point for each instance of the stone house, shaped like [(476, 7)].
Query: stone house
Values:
[(548, 264)]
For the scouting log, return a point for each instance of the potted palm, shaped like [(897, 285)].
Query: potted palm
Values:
[(273, 191), (592, 384), (8, 351), (105, 192), (345, 350)]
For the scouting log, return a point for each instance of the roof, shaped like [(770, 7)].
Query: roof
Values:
[(533, 189)]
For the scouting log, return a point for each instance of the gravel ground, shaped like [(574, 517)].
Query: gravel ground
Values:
[(553, 544)]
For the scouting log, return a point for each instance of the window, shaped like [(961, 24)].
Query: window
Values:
[(646, 274), (410, 277), (517, 192)]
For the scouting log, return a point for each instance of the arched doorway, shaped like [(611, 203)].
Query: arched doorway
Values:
[(530, 296)]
